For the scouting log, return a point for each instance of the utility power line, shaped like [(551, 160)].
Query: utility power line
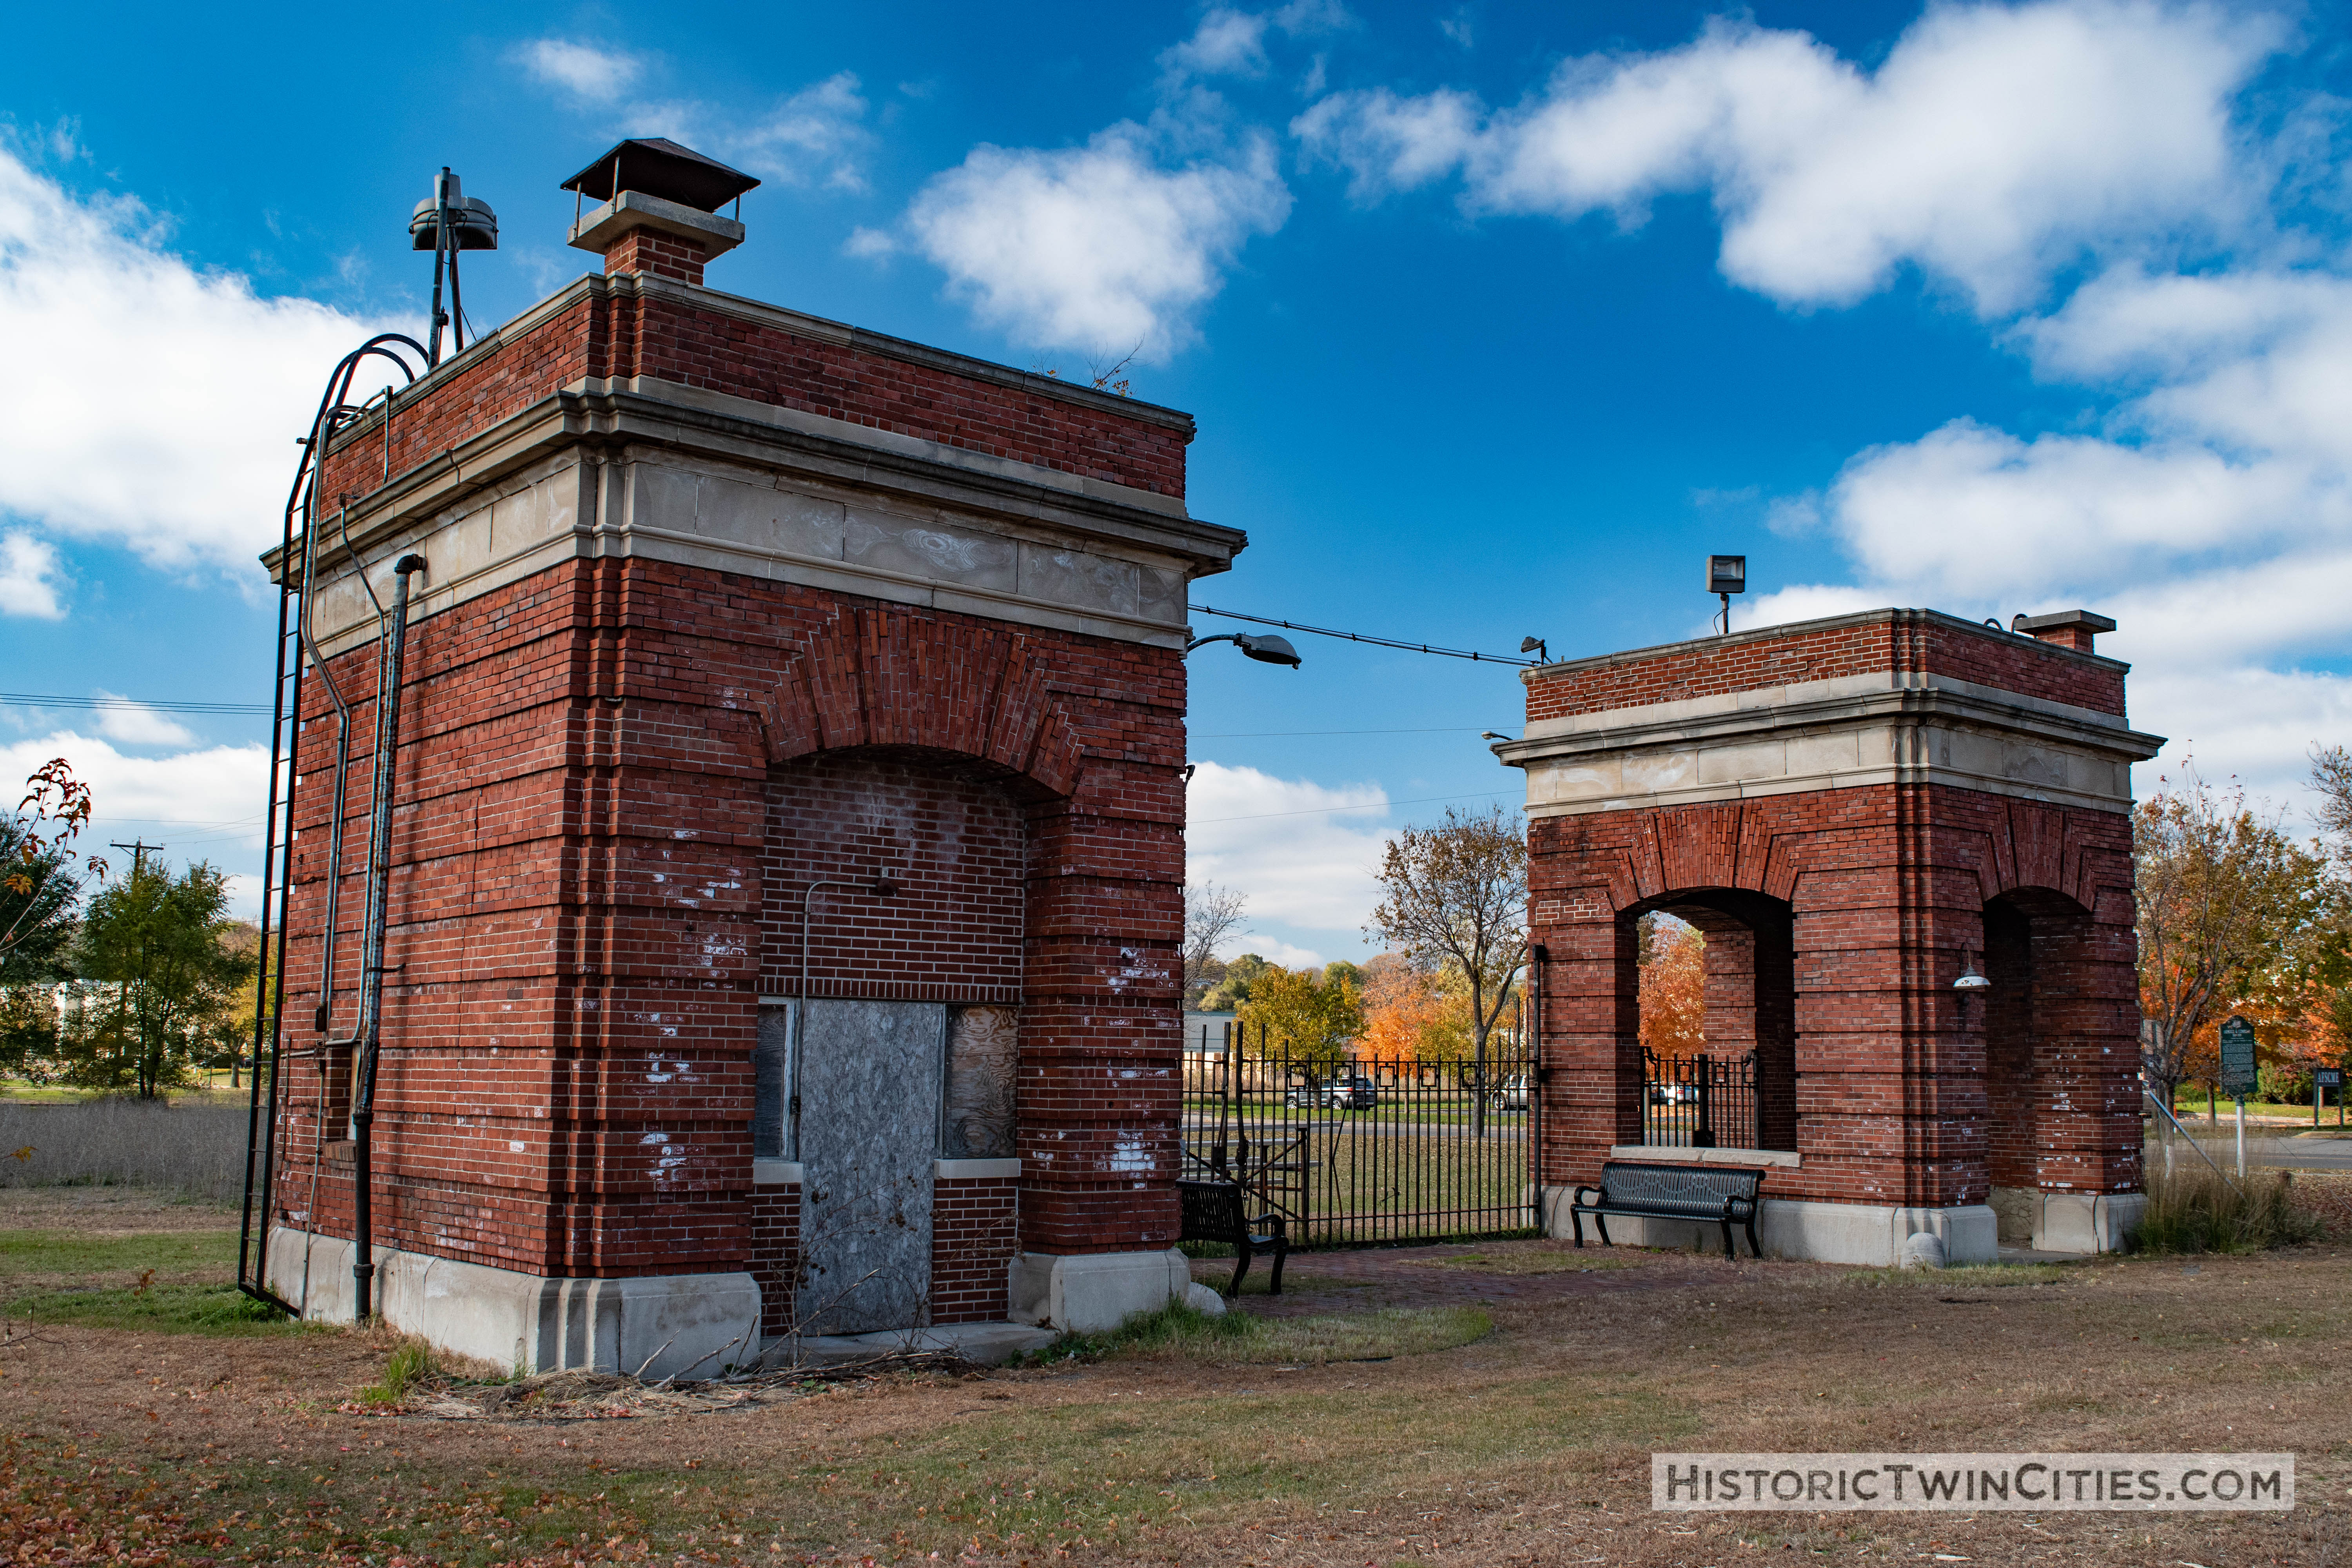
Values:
[(1368, 806), (33, 700), (1366, 638)]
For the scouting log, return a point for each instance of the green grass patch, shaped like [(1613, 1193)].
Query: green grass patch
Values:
[(72, 1254), (1966, 1276), (406, 1367), (167, 1281), (1181, 1332), (152, 1308)]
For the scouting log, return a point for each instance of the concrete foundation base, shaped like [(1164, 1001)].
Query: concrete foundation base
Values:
[(686, 1323), (2082, 1223), (1089, 1292), (1871, 1233)]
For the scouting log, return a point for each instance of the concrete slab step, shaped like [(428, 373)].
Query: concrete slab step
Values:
[(990, 1344)]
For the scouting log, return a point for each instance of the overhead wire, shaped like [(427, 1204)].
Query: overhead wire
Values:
[(41, 700), (1366, 638)]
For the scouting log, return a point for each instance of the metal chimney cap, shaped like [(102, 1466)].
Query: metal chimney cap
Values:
[(657, 166)]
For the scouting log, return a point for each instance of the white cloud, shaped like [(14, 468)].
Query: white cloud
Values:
[(136, 725), (816, 137), (1102, 247), (1992, 145), (1232, 42), (202, 805), (583, 70), (155, 404), (869, 243), (28, 577), (1280, 842), (1226, 43)]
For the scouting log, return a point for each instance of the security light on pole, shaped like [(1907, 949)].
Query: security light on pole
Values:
[(1727, 576)]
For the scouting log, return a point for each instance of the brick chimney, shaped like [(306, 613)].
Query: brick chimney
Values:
[(2067, 629), (660, 209)]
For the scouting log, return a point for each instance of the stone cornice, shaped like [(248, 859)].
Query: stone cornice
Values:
[(612, 415)]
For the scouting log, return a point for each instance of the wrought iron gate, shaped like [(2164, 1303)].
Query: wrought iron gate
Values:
[(1367, 1150), (1701, 1101)]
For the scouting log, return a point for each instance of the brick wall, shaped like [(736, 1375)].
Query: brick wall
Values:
[(1886, 888), (1915, 642), (581, 923), (971, 1275), (950, 842), (651, 250), (616, 329)]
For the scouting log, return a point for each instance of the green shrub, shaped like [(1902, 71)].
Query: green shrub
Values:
[(2195, 1209)]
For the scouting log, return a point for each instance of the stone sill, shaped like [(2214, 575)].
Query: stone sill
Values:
[(1671, 1154), (791, 1174)]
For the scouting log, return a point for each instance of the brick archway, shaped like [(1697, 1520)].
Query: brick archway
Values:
[(1886, 779), (881, 676)]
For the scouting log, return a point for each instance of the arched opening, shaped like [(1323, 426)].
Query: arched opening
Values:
[(1714, 1005), (893, 933), (2039, 1085)]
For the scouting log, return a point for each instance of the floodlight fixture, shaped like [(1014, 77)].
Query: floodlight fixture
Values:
[(1536, 647), (1727, 576)]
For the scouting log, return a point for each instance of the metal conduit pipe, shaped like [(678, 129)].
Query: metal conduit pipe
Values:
[(379, 877)]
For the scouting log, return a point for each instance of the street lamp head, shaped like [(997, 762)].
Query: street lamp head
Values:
[(1267, 650), (1536, 647)]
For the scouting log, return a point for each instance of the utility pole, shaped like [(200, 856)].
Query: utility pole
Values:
[(138, 849)]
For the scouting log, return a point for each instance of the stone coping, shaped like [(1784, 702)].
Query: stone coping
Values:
[(1676, 1154)]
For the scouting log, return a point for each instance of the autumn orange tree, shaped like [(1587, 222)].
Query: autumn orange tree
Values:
[(1672, 987), (1454, 897), (2229, 906), (1412, 1015)]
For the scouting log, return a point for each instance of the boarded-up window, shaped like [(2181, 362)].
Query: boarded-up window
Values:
[(771, 1065), (984, 1058)]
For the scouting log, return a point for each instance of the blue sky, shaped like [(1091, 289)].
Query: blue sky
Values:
[(1496, 320)]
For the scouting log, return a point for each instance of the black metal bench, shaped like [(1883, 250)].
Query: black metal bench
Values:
[(1216, 1211), (1719, 1195)]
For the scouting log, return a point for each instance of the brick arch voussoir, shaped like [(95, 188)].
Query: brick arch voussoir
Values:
[(898, 677)]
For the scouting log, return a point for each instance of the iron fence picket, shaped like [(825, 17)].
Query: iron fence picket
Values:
[(1701, 1101), (1408, 1157)]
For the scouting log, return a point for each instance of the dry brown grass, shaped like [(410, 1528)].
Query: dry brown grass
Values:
[(1530, 1446), (196, 1149)]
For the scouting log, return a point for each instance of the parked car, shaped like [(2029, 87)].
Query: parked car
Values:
[(1510, 1093), (1354, 1092), (1673, 1093)]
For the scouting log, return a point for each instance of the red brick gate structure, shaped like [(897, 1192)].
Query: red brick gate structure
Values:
[(1853, 810), (789, 832)]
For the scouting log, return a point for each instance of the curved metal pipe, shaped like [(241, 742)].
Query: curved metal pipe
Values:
[(379, 879)]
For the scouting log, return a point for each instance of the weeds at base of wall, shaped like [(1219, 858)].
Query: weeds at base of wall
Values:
[(1181, 1332), (2199, 1211)]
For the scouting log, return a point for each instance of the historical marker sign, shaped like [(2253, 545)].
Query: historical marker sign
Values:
[(2237, 1058)]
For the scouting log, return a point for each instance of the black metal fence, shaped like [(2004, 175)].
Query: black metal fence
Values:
[(1366, 1149), (1701, 1101)]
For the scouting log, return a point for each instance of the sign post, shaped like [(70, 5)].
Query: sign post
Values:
[(2238, 1074)]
